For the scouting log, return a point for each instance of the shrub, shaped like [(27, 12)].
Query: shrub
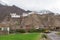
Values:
[(20, 31), (12, 31), (17, 31), (44, 36), (41, 30), (36, 30), (32, 30)]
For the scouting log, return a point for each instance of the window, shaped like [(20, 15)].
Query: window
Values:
[(5, 29)]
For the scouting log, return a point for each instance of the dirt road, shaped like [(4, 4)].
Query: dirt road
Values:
[(53, 36)]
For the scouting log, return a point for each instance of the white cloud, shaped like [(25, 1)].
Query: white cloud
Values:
[(36, 4)]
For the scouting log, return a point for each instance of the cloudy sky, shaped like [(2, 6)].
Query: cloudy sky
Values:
[(36, 5)]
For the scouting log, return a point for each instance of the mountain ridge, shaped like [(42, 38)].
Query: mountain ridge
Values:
[(5, 10)]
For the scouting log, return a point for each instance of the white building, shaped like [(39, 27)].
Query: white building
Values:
[(14, 15)]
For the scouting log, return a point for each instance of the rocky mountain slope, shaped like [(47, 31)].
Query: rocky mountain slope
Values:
[(49, 20), (6, 10)]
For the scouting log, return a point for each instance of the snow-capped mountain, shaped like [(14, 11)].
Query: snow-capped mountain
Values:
[(45, 11)]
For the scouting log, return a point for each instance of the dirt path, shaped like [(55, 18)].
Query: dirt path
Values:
[(53, 36)]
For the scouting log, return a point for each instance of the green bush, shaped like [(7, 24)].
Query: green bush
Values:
[(36, 30), (32, 30), (41, 30), (44, 36), (12, 31), (20, 31), (17, 31)]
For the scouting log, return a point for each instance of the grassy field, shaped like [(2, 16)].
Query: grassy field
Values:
[(30, 36)]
